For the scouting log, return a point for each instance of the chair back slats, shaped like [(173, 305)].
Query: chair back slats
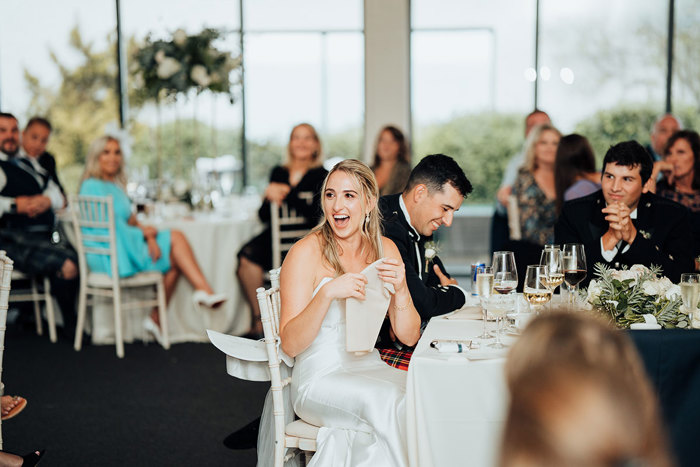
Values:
[(93, 222), (281, 217), (5, 285)]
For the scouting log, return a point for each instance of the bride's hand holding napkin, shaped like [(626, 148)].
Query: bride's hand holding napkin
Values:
[(364, 316)]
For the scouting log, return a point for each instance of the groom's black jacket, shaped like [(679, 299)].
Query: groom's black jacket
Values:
[(429, 297), (664, 236)]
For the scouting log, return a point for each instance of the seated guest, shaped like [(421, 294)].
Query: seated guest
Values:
[(435, 190), (302, 174), (35, 137), (358, 400), (579, 397), (534, 186), (391, 166), (662, 129), (140, 247), (28, 198), (574, 169), (621, 225)]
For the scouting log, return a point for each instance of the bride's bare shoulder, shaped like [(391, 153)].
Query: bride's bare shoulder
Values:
[(390, 249), (306, 251)]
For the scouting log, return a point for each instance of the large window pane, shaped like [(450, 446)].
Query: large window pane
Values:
[(469, 86), (686, 63), (603, 75), (82, 101), (303, 15), (207, 124)]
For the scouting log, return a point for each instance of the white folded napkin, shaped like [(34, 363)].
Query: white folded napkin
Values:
[(364, 317)]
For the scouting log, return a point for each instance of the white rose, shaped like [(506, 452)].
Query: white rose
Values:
[(430, 253), (160, 56), (639, 269), (594, 290), (673, 292), (651, 288), (200, 76), (168, 67), (180, 37)]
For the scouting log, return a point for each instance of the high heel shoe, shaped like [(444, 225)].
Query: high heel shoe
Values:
[(213, 300), (33, 458), (153, 328)]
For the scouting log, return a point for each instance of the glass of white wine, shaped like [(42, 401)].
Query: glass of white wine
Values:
[(536, 290), (551, 260), (484, 287), (690, 293)]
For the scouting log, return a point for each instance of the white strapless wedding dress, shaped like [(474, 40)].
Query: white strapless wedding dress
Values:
[(359, 400)]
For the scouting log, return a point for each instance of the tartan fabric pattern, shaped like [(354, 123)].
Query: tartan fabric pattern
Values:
[(396, 358), (34, 252)]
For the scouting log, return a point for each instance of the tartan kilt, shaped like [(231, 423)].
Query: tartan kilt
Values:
[(396, 358), (34, 253)]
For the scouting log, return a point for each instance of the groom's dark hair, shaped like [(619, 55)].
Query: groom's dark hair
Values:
[(435, 171)]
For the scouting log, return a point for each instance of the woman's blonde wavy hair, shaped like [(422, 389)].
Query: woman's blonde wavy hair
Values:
[(535, 134), (371, 231), (92, 161)]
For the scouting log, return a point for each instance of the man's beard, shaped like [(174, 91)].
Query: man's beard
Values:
[(4, 147)]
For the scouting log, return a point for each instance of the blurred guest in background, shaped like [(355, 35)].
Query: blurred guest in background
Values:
[(661, 130), (140, 247), (534, 186), (621, 225), (391, 164), (28, 199), (579, 397), (35, 137), (574, 169), (296, 183), (499, 224)]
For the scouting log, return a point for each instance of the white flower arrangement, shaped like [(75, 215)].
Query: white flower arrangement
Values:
[(627, 295)]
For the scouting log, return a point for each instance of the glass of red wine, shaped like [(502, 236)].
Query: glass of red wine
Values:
[(573, 263)]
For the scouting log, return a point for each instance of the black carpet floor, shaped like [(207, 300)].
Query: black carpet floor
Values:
[(154, 407)]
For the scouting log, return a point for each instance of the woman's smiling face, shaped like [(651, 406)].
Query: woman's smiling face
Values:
[(343, 204)]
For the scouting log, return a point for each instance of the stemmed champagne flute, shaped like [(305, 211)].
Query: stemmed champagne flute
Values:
[(690, 293), (551, 260), (484, 287), (536, 290), (505, 280), (574, 267)]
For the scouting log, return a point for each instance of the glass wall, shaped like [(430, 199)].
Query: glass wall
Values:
[(603, 76), (61, 64), (469, 85), (171, 133), (686, 64), (302, 67)]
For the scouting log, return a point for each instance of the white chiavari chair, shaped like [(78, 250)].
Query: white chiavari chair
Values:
[(5, 285), (96, 213)]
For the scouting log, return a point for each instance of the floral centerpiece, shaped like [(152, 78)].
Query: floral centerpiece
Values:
[(627, 295), (166, 68)]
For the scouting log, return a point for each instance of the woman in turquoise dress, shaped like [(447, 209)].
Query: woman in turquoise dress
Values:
[(140, 247)]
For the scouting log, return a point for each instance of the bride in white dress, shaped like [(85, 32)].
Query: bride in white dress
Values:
[(358, 399)]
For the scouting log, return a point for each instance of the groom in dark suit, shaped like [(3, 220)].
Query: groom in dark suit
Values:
[(623, 225), (434, 191)]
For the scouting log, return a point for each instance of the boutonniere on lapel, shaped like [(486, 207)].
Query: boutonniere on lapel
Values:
[(645, 234), (431, 251)]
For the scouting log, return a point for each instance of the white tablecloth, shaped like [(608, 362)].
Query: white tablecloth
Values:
[(456, 407), (215, 241)]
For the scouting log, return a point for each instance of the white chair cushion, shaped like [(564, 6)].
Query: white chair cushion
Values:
[(104, 281), (301, 429)]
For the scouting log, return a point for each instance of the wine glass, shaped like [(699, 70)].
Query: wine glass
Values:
[(505, 280), (690, 293), (551, 260), (484, 288), (574, 267), (537, 290)]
